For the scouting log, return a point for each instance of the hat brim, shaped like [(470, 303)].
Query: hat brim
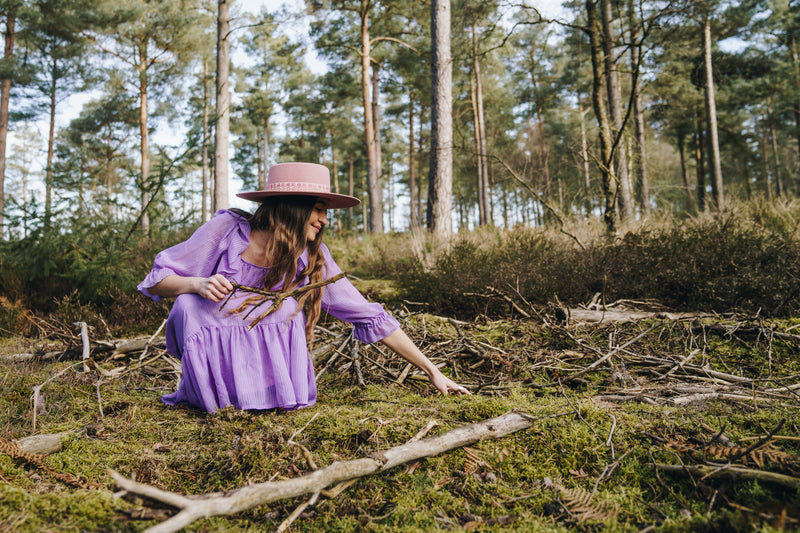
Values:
[(332, 200)]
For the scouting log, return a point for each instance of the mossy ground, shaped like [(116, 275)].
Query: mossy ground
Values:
[(528, 481)]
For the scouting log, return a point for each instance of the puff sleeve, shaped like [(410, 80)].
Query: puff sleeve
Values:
[(200, 255), (342, 300)]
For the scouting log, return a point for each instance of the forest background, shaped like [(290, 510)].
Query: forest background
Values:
[(519, 168), (609, 111)]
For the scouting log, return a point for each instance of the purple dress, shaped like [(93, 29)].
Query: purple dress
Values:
[(222, 362)]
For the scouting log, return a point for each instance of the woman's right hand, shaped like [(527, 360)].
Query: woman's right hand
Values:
[(214, 288)]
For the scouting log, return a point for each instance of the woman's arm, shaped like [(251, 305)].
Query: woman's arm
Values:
[(214, 288), (403, 346)]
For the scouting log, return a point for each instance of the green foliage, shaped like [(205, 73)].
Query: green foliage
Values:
[(92, 263)]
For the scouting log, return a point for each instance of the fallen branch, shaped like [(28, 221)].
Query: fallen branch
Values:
[(228, 503), (733, 472)]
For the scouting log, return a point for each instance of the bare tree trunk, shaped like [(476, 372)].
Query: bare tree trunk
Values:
[(609, 183), (587, 176), (5, 93), (711, 115), (350, 189), (144, 137), (701, 170), (48, 175), (684, 173), (476, 93), (776, 158), (420, 151), (412, 163), (223, 106), (262, 183), (640, 162), (765, 156), (792, 44), (612, 88), (376, 117), (205, 171), (440, 202), (374, 188)]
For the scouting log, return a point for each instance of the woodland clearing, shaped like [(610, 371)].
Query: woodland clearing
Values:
[(656, 422)]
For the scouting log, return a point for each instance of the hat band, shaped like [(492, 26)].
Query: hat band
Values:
[(297, 186)]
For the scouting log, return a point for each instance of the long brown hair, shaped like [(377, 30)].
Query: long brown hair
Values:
[(285, 219)]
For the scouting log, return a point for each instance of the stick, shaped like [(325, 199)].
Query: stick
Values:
[(85, 341), (236, 501), (733, 472)]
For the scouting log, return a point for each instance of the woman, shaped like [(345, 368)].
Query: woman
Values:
[(224, 362)]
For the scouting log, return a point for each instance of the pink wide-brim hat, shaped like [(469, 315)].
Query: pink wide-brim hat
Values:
[(301, 179)]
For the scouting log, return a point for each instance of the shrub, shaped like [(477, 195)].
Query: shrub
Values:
[(747, 259)]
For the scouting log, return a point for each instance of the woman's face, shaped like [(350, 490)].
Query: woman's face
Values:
[(317, 221)]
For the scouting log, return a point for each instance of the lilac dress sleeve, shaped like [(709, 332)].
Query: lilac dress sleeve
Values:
[(196, 256), (371, 321)]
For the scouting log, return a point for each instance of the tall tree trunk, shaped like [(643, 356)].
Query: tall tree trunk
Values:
[(48, 174), (262, 183), (376, 117), (144, 135), (765, 157), (609, 183), (792, 44), (699, 155), (374, 188), (351, 171), (412, 163), (587, 176), (476, 93), (223, 106), (5, 93), (640, 161), (711, 116), (776, 158), (687, 188), (440, 201), (625, 197), (206, 134), (420, 152)]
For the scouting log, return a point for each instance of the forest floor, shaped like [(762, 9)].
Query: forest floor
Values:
[(656, 422)]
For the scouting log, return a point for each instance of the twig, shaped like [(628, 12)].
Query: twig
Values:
[(277, 297), (297, 512)]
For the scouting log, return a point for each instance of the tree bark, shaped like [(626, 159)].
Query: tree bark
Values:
[(701, 170), (48, 174), (684, 173), (612, 88), (640, 161), (5, 93), (412, 174), (374, 188), (609, 183), (350, 188), (476, 92), (144, 135), (205, 171), (223, 106), (587, 176), (711, 116), (440, 202), (262, 182), (792, 44)]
